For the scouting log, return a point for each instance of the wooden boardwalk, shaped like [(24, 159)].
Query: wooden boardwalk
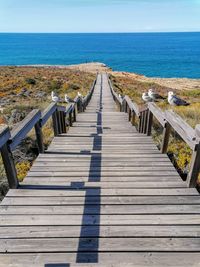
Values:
[(103, 194)]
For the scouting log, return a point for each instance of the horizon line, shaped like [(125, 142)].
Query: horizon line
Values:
[(195, 31)]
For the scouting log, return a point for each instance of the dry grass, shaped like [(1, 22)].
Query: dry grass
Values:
[(178, 151), (19, 88)]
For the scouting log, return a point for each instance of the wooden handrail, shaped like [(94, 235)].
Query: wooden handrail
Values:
[(157, 113), (4, 135), (47, 113), (132, 105), (35, 119), (197, 132), (23, 128), (168, 120), (186, 132)]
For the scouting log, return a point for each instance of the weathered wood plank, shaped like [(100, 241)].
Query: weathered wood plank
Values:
[(109, 192), (119, 259), (104, 245), (104, 209), (80, 200)]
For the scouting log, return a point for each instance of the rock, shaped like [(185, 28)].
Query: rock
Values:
[(40, 94), (24, 92)]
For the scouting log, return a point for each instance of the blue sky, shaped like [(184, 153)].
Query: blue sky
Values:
[(99, 15)]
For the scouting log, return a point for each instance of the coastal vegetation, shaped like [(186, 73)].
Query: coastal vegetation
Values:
[(178, 151), (25, 88)]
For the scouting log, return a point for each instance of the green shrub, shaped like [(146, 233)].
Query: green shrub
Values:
[(30, 81)]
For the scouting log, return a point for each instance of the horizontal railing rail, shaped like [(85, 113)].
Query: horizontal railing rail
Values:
[(9, 140), (168, 120), (116, 97), (23, 128)]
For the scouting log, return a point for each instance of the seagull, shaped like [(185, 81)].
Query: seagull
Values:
[(68, 99), (153, 95), (79, 94), (146, 97), (176, 101), (54, 97)]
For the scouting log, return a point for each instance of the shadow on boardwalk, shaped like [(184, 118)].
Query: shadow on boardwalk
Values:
[(85, 244)]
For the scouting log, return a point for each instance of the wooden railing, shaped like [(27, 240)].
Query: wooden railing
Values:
[(9, 140), (168, 120)]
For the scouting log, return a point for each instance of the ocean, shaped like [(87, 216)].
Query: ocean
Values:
[(152, 54)]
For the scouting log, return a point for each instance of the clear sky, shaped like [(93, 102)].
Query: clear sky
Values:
[(99, 15)]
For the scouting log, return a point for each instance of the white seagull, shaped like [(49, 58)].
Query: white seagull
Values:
[(54, 97), (146, 97), (176, 101), (68, 99), (79, 94), (153, 95)]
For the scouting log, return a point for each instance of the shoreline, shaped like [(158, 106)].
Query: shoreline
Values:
[(93, 67)]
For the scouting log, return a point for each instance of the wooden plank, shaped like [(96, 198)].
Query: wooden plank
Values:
[(107, 185), (102, 174), (138, 180), (104, 231), (119, 259), (100, 169), (101, 209), (104, 245), (107, 200), (110, 192), (125, 219)]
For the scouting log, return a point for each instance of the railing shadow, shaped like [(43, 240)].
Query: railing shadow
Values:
[(86, 244)]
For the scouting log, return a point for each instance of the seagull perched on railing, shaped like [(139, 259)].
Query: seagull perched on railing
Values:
[(79, 94), (154, 96), (54, 97), (68, 99), (176, 101), (146, 97), (121, 97)]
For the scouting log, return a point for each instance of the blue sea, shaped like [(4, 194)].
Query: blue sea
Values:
[(151, 54)]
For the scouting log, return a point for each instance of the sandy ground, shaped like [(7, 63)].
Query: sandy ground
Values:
[(173, 83)]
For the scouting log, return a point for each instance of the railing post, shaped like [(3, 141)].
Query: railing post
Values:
[(145, 121), (9, 166), (74, 113), (39, 137), (120, 107), (133, 115), (149, 123), (129, 114), (124, 105), (70, 119), (195, 161), (166, 135), (55, 123), (194, 167), (63, 122), (59, 126), (140, 122)]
